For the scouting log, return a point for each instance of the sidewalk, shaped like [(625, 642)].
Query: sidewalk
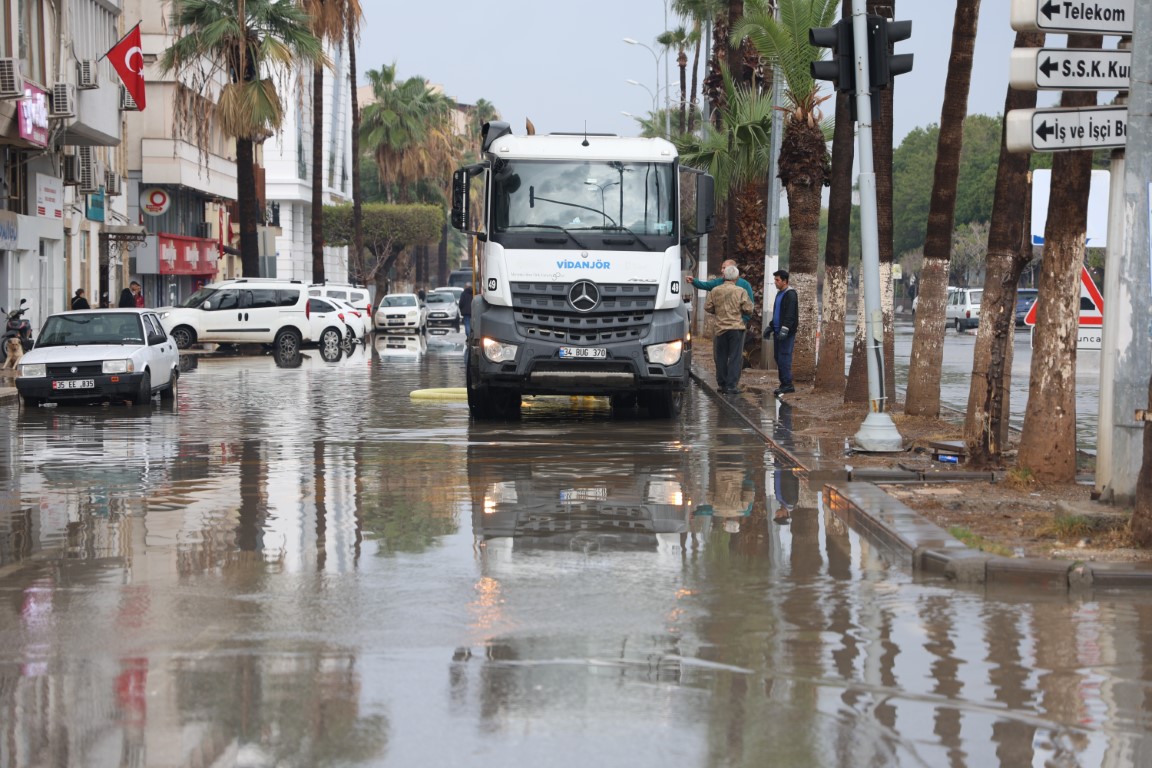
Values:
[(917, 542)]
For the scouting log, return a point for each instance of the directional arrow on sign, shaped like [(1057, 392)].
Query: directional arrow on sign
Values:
[(1106, 17), (1070, 69), (1061, 129)]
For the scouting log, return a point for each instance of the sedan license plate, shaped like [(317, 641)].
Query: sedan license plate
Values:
[(74, 384), (593, 353)]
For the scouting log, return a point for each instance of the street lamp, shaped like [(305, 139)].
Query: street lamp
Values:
[(656, 58)]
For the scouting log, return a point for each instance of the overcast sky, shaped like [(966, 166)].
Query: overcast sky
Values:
[(566, 64)]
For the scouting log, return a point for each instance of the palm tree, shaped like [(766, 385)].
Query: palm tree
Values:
[(923, 397), (804, 164), (1009, 251), (698, 13), (243, 43), (356, 258), (332, 21), (393, 124), (677, 39)]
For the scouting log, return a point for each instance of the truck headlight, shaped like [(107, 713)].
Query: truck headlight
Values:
[(33, 371), (498, 351), (116, 366), (668, 353)]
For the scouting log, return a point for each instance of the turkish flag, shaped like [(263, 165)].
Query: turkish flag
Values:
[(128, 60)]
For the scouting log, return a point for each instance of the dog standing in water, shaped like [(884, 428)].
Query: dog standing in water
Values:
[(13, 351)]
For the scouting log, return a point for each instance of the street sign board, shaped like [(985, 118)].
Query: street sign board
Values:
[(1070, 69), (1106, 17), (1059, 129)]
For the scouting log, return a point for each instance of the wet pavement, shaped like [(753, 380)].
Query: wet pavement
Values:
[(305, 565)]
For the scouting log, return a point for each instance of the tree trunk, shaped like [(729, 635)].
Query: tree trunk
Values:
[(356, 258), (442, 257), (246, 207), (830, 362), (802, 170), (923, 397), (1048, 442), (318, 173), (1009, 251), (682, 63), (695, 85)]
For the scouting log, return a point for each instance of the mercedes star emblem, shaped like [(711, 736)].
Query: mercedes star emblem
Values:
[(584, 296)]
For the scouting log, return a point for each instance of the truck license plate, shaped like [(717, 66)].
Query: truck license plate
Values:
[(594, 353), (74, 384)]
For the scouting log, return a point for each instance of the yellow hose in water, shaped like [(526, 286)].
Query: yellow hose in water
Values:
[(445, 393)]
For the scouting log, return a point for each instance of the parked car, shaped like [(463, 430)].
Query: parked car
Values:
[(398, 344), (242, 311), (442, 310), (402, 312), (105, 354), (948, 296), (1025, 298), (327, 327), (359, 296), (963, 308), (355, 319), (455, 290)]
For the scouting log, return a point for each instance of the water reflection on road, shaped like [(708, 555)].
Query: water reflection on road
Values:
[(304, 564)]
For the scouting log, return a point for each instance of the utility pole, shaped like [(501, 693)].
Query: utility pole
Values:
[(1126, 346)]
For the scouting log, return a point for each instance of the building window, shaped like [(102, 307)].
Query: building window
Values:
[(30, 40)]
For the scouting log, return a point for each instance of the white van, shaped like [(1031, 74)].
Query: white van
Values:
[(242, 311)]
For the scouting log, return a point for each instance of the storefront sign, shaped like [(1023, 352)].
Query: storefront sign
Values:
[(187, 255), (96, 206), (154, 201), (49, 197), (33, 116), (9, 229)]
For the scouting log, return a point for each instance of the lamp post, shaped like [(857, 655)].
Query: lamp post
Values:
[(656, 59)]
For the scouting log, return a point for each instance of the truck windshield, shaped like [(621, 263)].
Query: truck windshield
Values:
[(634, 199)]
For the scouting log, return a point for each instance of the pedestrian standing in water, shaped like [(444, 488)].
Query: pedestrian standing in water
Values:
[(729, 302)]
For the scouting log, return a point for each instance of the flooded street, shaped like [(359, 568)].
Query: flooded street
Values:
[(311, 565)]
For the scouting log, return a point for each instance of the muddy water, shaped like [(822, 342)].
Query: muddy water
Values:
[(305, 565)]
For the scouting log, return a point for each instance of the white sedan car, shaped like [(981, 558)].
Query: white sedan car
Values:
[(100, 355), (356, 320), (402, 312)]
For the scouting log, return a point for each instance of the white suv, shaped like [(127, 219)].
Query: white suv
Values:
[(242, 311), (963, 308)]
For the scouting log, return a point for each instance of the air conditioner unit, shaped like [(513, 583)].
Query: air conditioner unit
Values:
[(127, 103), (71, 169), (63, 100), (88, 179), (87, 75), (11, 81), (111, 183)]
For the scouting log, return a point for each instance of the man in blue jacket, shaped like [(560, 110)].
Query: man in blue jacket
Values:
[(782, 330)]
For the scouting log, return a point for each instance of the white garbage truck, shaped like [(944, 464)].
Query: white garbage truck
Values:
[(579, 269)]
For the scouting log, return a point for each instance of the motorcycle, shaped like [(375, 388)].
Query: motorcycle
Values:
[(19, 326)]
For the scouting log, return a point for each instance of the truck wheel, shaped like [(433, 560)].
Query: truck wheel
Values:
[(665, 404), (488, 404)]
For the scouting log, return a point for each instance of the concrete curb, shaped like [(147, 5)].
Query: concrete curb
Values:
[(929, 550)]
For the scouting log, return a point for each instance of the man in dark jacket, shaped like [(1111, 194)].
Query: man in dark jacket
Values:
[(466, 309), (79, 301), (782, 330)]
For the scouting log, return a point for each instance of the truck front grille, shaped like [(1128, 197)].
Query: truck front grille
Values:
[(542, 311)]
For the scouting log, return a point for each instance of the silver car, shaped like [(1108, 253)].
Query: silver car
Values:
[(100, 355)]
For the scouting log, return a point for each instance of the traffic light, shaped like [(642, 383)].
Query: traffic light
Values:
[(883, 65), (841, 69)]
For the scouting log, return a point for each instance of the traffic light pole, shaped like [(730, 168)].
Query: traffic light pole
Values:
[(878, 433)]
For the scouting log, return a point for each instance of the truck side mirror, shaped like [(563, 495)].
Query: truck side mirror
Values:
[(705, 204), (460, 199)]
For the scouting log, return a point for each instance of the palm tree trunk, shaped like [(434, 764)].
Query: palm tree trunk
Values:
[(695, 85), (1009, 251), (923, 397), (246, 207), (802, 170), (830, 364), (318, 173), (356, 258), (1048, 442), (682, 62)]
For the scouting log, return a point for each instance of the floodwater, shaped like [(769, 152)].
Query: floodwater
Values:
[(306, 566)]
